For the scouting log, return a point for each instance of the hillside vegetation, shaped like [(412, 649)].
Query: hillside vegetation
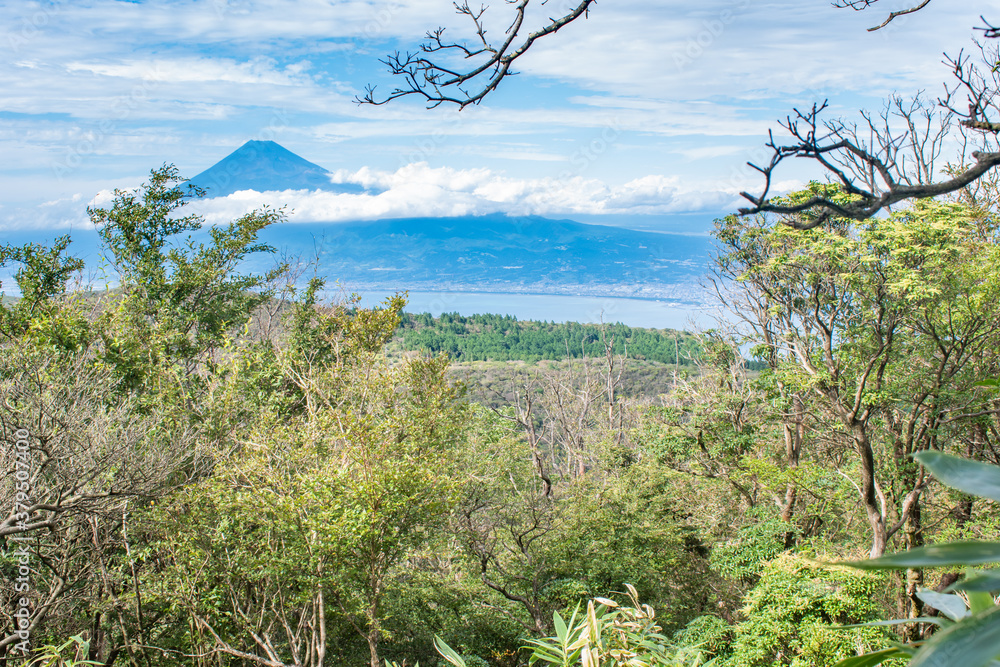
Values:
[(211, 467)]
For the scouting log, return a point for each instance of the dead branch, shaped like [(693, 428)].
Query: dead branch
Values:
[(426, 74), (980, 87), (861, 5), (888, 166)]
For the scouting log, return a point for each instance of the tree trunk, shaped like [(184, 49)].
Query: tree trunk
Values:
[(374, 629), (321, 623), (914, 576), (869, 492), (794, 435)]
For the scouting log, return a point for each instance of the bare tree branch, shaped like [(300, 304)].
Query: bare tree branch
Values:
[(861, 5), (426, 74), (989, 31), (891, 158), (980, 87)]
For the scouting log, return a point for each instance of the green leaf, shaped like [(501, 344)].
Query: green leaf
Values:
[(950, 554), (980, 602), (952, 606), (974, 642), (986, 581), (448, 653), (973, 477), (876, 658), (560, 626)]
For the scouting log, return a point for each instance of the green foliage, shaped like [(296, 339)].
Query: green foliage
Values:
[(745, 557), (308, 496), (632, 528), (474, 661), (881, 328), (66, 655), (323, 335), (320, 505), (791, 612), (608, 634), (504, 338), (553, 551), (917, 275), (180, 298), (707, 635), (39, 315)]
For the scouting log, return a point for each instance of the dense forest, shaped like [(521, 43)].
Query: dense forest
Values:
[(206, 467), (503, 338)]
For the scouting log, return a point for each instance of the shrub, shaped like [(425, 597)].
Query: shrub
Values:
[(709, 635), (744, 558), (790, 613)]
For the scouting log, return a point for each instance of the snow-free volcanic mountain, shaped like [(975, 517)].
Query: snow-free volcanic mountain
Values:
[(488, 253), (265, 166)]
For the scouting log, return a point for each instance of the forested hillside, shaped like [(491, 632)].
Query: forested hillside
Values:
[(503, 338), (208, 463), (208, 467)]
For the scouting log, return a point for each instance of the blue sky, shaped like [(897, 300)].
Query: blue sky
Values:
[(644, 111)]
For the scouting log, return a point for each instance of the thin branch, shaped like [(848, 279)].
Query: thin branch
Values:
[(437, 83), (861, 5)]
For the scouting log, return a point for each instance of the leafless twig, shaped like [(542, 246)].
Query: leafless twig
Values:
[(860, 5), (426, 74)]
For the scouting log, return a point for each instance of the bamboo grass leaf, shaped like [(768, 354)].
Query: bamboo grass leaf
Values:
[(975, 642), (951, 554), (972, 477)]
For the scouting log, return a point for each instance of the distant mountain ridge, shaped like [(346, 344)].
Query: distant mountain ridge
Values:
[(502, 254), (266, 166)]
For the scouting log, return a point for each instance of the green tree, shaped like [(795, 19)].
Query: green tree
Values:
[(42, 280), (856, 306), (545, 540), (111, 389), (791, 613), (179, 297), (307, 526)]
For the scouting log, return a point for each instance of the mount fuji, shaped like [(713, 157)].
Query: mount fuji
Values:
[(494, 253), (265, 166)]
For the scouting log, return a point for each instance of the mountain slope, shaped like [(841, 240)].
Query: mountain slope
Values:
[(499, 253)]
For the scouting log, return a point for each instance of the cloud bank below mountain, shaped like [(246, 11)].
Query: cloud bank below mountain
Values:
[(419, 190)]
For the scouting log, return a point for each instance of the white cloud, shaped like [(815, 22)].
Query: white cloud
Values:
[(418, 190), (703, 152), (57, 214), (663, 59), (189, 70), (743, 49)]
